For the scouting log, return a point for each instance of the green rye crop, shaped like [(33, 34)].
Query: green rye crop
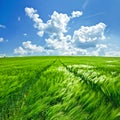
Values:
[(60, 88)]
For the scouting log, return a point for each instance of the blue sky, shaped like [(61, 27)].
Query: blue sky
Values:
[(59, 27)]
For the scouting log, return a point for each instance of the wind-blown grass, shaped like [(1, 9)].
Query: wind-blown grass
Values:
[(59, 88)]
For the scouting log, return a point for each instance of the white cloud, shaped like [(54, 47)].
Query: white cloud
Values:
[(28, 48), (63, 47), (59, 42), (2, 55), (2, 26), (25, 34), (56, 25), (57, 45), (101, 46), (84, 41), (20, 51), (76, 14), (80, 42), (1, 39), (32, 47), (19, 19), (112, 53), (98, 50), (113, 50), (90, 33), (30, 12), (75, 51), (40, 33)]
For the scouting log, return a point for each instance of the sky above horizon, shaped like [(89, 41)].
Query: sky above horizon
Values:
[(59, 27)]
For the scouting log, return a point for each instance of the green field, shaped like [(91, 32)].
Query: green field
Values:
[(60, 88)]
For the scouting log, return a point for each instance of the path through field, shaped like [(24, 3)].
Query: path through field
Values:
[(60, 88)]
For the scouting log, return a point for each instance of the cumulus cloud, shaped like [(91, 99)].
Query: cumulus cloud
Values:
[(75, 51), (1, 39), (2, 26), (28, 48), (56, 28), (99, 49), (76, 14), (89, 36), (90, 33), (84, 41), (32, 47), (56, 25), (58, 42), (20, 51), (63, 47)]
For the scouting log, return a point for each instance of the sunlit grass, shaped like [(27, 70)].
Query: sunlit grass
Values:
[(60, 88)]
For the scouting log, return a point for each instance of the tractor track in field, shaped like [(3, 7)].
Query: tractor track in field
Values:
[(56, 88), (28, 84), (25, 88), (94, 86), (37, 76)]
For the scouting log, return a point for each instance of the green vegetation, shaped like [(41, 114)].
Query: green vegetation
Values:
[(60, 88)]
